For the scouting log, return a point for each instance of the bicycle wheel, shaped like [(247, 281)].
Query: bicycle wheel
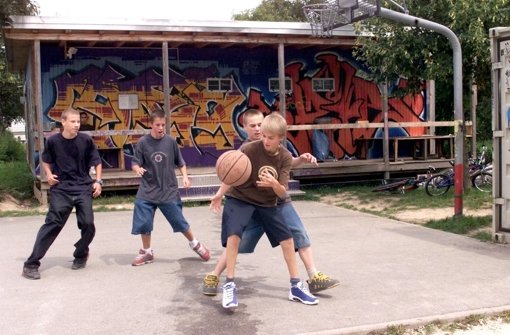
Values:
[(482, 181), (438, 185)]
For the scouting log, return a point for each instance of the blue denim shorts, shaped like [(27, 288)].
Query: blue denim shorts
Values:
[(143, 216), (237, 215), (254, 231)]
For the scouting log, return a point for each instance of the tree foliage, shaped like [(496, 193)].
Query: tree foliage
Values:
[(16, 7), (11, 84), (419, 53), (276, 10), (391, 49)]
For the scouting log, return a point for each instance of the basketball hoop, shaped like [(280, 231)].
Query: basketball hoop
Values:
[(323, 17), (331, 14)]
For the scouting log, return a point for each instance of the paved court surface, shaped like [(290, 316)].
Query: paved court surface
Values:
[(391, 272)]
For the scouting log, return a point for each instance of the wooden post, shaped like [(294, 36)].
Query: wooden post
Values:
[(281, 83), (281, 77), (166, 86), (474, 103), (431, 107), (386, 151)]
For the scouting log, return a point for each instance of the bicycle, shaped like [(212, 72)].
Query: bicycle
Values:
[(407, 184), (479, 172)]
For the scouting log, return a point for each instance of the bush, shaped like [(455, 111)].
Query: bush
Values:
[(16, 179), (10, 149)]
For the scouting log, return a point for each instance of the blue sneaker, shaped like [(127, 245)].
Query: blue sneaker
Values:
[(229, 295), (299, 292)]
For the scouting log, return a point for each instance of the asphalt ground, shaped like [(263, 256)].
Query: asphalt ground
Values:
[(391, 272)]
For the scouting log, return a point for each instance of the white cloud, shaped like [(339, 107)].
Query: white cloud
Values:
[(149, 9)]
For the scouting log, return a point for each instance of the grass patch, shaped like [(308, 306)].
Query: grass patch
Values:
[(441, 327), (16, 179), (5, 214), (115, 198), (462, 226)]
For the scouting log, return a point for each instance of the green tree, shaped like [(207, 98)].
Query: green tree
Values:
[(16, 7), (276, 10), (392, 50), (11, 84)]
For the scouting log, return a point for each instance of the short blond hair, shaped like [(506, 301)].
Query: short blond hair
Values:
[(274, 124)]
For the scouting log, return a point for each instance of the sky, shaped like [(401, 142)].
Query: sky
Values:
[(216, 10)]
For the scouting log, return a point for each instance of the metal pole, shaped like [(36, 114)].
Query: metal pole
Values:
[(457, 88)]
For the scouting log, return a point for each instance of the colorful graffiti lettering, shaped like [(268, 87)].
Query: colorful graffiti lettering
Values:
[(206, 120)]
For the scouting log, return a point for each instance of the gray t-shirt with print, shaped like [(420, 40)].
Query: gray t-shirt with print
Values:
[(160, 157)]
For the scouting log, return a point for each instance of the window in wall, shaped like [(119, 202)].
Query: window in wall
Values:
[(323, 84), (219, 85), (274, 85), (128, 101)]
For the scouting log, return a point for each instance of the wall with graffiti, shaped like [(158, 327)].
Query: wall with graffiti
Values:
[(209, 90)]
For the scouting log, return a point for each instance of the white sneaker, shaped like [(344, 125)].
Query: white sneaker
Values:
[(229, 295), (299, 292)]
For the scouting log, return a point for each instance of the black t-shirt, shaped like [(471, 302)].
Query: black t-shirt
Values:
[(70, 160)]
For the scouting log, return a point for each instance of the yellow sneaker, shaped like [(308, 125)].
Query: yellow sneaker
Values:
[(321, 282), (210, 285)]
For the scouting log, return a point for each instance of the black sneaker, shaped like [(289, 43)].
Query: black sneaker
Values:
[(79, 263), (31, 273)]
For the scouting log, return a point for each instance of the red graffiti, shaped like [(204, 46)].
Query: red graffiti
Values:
[(353, 99)]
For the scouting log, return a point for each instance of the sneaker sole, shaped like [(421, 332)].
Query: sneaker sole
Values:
[(322, 288), (230, 307), (78, 267), (147, 262), (294, 298), (30, 278), (209, 293)]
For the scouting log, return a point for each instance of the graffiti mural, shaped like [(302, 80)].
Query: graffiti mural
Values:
[(354, 99), (206, 122)]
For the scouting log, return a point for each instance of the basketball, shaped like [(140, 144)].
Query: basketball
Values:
[(233, 168)]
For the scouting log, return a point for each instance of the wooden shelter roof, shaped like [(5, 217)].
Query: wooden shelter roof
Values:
[(146, 33)]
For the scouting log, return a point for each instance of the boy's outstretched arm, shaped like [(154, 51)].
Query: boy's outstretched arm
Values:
[(304, 158), (215, 205)]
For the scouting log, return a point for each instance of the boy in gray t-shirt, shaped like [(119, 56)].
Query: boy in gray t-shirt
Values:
[(155, 159)]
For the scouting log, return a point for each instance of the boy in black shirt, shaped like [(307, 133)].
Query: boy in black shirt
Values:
[(66, 160)]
